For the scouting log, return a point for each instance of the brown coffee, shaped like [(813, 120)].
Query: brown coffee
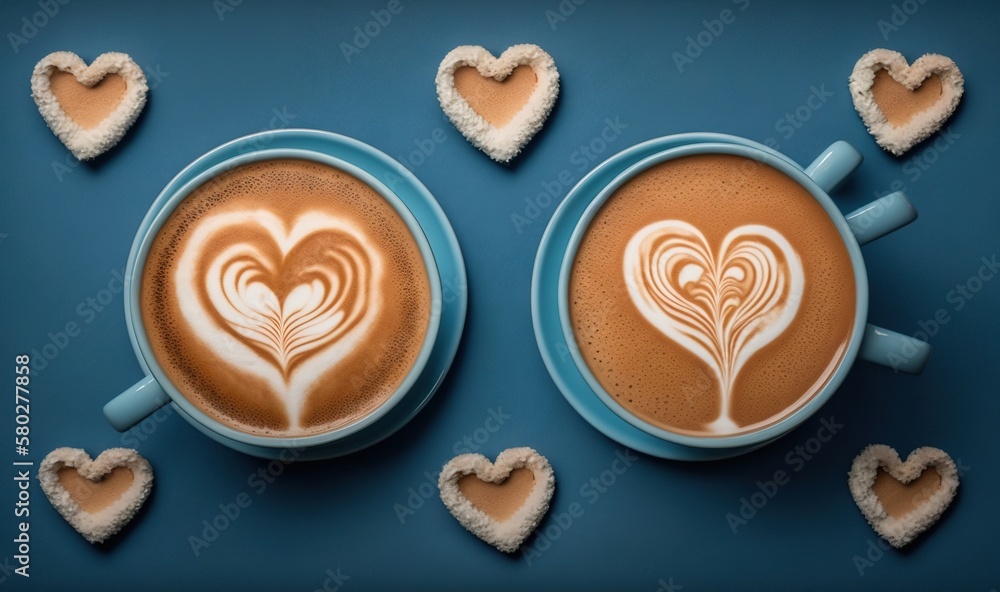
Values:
[(285, 298), (712, 295)]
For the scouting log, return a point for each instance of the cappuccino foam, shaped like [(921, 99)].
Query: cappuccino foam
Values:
[(712, 295), (285, 298)]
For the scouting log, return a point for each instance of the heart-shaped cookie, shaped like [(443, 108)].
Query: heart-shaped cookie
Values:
[(902, 499), (89, 108), (502, 502), (904, 104), (97, 497), (498, 103)]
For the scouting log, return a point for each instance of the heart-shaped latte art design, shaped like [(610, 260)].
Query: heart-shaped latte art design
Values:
[(498, 104), (286, 303), (89, 108), (902, 499), (97, 497), (901, 104), (502, 502), (722, 307)]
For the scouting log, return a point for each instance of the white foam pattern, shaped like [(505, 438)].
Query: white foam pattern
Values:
[(722, 307), (262, 306)]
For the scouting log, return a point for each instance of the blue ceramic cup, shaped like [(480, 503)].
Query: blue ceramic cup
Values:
[(833, 166), (156, 390)]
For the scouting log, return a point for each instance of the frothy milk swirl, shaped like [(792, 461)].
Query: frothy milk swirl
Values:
[(261, 305), (721, 307)]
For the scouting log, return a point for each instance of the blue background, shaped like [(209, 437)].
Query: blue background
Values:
[(65, 228)]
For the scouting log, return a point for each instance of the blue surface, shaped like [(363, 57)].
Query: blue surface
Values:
[(65, 231)]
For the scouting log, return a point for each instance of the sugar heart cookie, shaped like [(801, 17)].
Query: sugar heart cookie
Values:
[(97, 497), (89, 108), (902, 499), (903, 104), (502, 502), (498, 104)]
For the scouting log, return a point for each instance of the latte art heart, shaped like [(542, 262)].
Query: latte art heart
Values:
[(315, 312), (284, 303), (722, 307)]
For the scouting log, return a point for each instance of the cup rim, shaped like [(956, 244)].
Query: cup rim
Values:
[(147, 233), (805, 410)]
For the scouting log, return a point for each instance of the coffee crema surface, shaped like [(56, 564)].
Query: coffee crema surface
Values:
[(285, 298), (712, 295)]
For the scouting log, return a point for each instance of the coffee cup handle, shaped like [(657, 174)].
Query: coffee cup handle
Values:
[(894, 350), (135, 404), (900, 352), (881, 217), (834, 165)]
